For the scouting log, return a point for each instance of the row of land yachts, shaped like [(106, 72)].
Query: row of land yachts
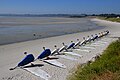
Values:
[(46, 55)]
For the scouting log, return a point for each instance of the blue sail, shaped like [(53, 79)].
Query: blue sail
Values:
[(71, 45), (44, 54), (95, 37), (28, 59)]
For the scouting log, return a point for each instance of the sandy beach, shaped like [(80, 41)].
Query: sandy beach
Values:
[(11, 54)]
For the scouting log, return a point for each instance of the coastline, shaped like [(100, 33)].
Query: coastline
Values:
[(14, 30), (16, 53)]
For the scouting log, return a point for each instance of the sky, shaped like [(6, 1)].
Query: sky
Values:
[(59, 6)]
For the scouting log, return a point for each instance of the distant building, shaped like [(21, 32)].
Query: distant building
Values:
[(118, 17)]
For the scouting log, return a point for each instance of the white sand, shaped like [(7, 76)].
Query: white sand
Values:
[(11, 54)]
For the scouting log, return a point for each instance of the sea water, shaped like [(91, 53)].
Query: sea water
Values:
[(18, 29)]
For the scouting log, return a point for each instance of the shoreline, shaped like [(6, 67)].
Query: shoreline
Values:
[(14, 34), (101, 27), (16, 54)]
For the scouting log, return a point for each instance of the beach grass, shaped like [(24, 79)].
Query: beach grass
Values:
[(110, 19), (114, 19), (107, 67)]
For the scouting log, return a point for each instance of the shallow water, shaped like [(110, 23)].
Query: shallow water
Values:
[(17, 29)]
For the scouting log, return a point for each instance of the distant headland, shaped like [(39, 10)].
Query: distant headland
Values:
[(62, 15)]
